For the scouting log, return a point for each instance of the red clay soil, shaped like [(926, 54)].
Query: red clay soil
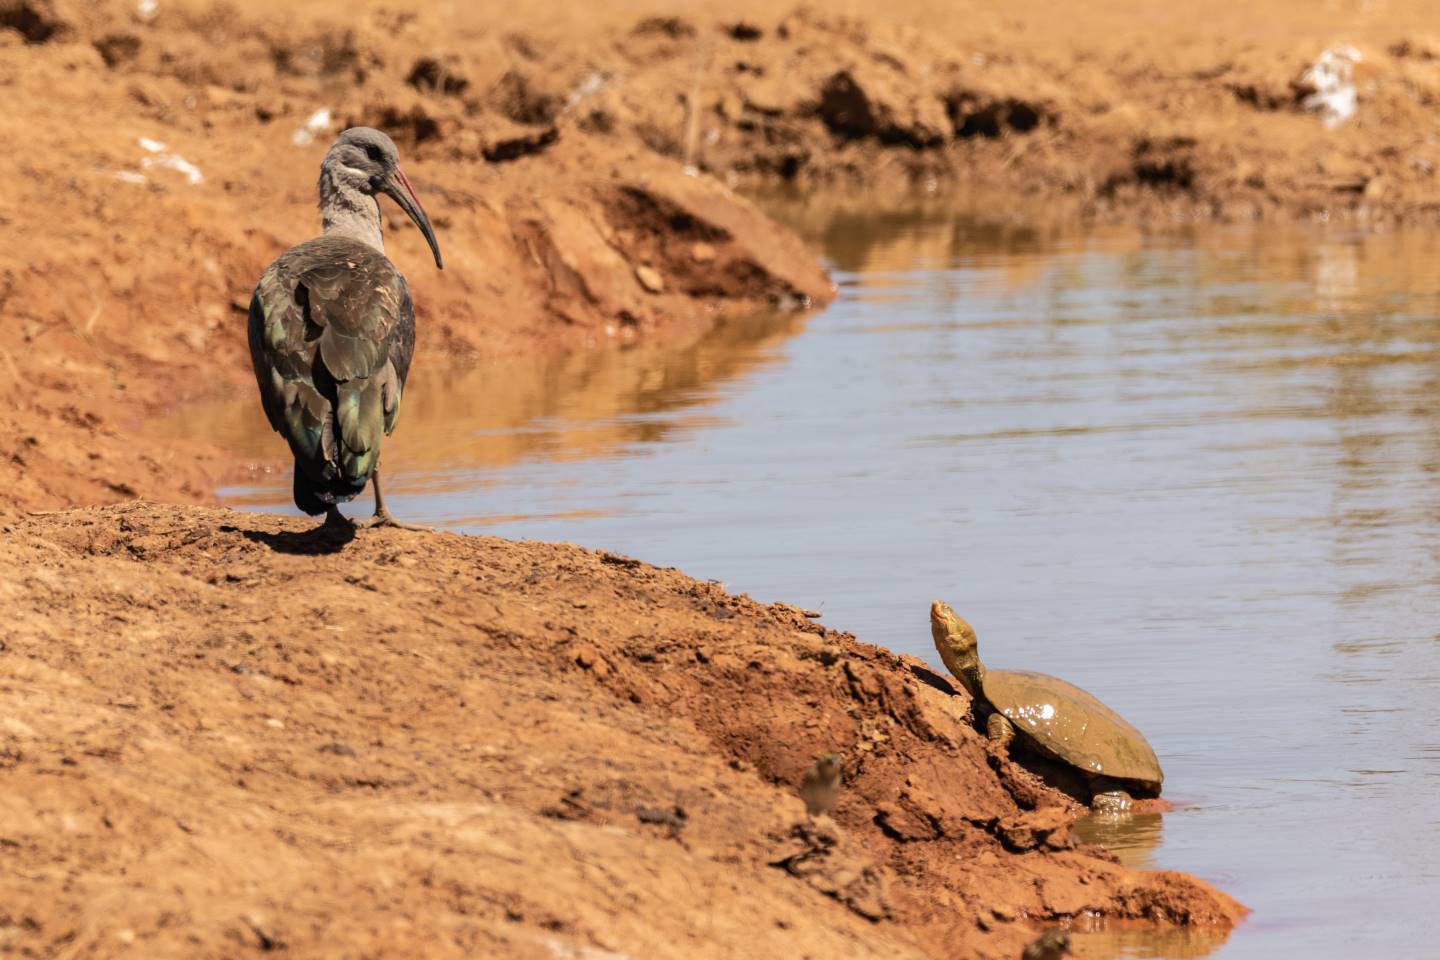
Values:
[(222, 734)]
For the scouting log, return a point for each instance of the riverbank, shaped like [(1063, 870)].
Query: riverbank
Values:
[(219, 736), (225, 733)]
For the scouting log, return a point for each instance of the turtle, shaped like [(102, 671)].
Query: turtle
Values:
[(1052, 718)]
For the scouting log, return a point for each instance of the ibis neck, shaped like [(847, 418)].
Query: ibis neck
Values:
[(347, 212)]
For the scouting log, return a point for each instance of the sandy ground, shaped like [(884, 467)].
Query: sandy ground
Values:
[(221, 734), (216, 737)]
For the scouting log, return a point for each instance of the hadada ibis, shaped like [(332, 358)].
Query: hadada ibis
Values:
[(332, 329)]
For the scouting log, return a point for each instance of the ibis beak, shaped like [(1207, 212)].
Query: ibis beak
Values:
[(397, 187)]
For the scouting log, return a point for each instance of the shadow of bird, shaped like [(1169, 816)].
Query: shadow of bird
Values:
[(317, 541)]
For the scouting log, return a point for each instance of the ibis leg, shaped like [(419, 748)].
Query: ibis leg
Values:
[(382, 514)]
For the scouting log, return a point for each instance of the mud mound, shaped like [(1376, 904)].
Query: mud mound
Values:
[(224, 733)]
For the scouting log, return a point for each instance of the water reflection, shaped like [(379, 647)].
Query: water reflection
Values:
[(460, 419), (1134, 838), (1145, 943)]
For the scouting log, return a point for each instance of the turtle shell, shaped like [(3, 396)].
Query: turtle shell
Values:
[(1074, 727)]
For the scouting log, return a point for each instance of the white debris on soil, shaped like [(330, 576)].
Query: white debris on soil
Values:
[(1331, 80), (593, 83), (173, 161), (167, 161), (317, 124), (130, 176), (146, 9)]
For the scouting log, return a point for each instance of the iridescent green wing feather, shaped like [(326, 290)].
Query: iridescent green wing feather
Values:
[(331, 330)]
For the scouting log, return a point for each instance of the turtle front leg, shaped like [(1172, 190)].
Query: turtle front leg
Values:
[(1000, 730), (1111, 803)]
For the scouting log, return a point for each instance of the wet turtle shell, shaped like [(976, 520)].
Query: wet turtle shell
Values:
[(1072, 726), (1059, 718)]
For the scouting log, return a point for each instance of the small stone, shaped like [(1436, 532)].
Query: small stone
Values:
[(468, 144), (273, 722), (264, 933), (702, 252), (650, 278)]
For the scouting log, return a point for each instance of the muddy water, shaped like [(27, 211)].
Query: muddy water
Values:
[(1198, 474)]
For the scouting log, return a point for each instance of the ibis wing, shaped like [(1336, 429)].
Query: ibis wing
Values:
[(328, 321)]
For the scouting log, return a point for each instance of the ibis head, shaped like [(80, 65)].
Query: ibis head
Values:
[(365, 161)]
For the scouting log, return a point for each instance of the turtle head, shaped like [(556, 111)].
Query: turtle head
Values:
[(955, 640)]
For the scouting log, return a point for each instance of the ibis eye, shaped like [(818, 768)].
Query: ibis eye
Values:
[(373, 153)]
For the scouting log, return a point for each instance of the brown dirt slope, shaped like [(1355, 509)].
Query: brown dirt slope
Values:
[(221, 735), (1116, 109)]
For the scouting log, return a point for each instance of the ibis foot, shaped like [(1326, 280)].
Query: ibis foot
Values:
[(382, 516), (383, 519)]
